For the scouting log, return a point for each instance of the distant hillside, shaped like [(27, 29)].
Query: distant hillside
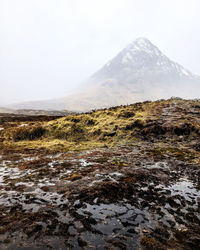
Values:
[(6, 110), (32, 112), (43, 112), (139, 72)]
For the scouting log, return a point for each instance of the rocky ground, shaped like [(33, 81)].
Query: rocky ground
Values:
[(142, 194)]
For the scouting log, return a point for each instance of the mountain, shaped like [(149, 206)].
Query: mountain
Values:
[(139, 72)]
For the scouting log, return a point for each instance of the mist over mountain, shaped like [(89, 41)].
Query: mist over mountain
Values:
[(139, 72)]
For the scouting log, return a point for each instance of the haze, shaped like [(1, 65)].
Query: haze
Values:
[(48, 48)]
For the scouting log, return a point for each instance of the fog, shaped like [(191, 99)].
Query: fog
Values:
[(48, 48)]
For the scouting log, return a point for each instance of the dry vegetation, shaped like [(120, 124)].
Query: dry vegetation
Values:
[(103, 128)]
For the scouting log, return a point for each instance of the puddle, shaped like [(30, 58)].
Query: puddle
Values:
[(113, 220), (93, 220), (33, 158), (158, 165), (185, 188), (115, 176), (11, 173)]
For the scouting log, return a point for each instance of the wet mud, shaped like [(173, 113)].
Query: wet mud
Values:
[(128, 197)]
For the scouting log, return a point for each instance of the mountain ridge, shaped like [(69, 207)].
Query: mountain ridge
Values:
[(139, 72)]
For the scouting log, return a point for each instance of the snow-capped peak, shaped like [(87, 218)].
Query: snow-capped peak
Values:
[(138, 49), (143, 55), (142, 44), (142, 59)]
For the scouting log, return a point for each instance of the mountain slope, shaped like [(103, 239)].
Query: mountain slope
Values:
[(139, 72)]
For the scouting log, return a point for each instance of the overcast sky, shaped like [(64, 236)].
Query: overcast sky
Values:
[(49, 47)]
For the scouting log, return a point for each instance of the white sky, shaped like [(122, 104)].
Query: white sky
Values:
[(49, 47)]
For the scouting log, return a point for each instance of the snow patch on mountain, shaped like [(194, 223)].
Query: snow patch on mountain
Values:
[(143, 55)]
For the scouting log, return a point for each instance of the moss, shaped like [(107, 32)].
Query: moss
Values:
[(181, 153), (149, 242), (101, 160), (118, 162)]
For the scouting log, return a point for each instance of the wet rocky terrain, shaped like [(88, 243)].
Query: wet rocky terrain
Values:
[(139, 194)]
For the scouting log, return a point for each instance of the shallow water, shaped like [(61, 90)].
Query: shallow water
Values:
[(98, 223)]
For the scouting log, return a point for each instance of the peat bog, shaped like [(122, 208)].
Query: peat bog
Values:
[(121, 178)]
